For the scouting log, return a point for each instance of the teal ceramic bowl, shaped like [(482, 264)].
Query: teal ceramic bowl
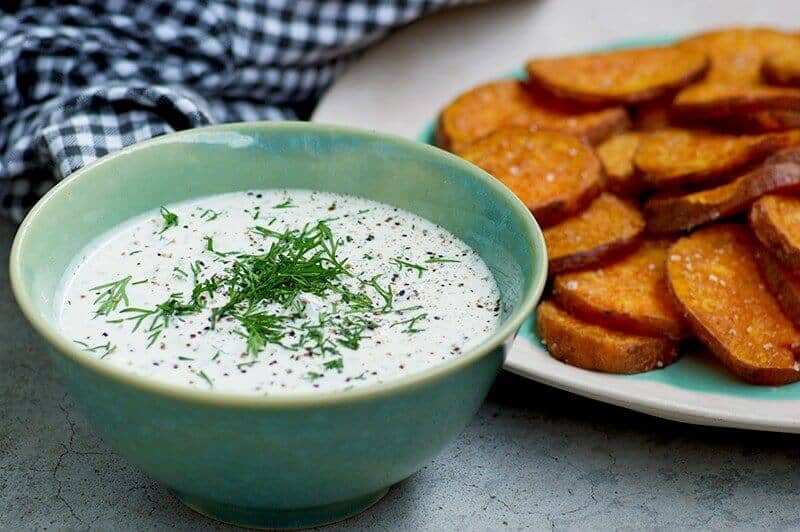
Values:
[(296, 460)]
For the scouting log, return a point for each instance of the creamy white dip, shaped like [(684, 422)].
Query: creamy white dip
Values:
[(401, 293)]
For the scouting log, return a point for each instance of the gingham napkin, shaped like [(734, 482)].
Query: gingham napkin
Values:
[(80, 80)]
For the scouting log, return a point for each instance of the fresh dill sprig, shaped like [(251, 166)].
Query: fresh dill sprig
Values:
[(285, 205), (209, 215), (170, 219), (206, 378), (106, 348), (112, 295), (435, 260), (411, 323), (401, 264), (336, 363)]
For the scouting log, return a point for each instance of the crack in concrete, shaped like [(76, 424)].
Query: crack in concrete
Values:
[(67, 450)]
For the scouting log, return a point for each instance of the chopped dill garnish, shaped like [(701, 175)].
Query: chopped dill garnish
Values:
[(285, 205), (410, 265), (134, 252), (435, 260), (205, 378), (336, 363), (313, 375), (260, 295), (106, 348), (410, 323), (363, 211), (209, 215), (139, 282), (246, 364), (170, 219), (180, 273), (210, 247), (112, 295), (184, 358), (216, 355)]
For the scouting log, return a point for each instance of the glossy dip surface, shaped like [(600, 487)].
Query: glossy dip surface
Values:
[(406, 295)]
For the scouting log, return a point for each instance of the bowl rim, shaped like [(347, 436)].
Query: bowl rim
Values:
[(50, 332)]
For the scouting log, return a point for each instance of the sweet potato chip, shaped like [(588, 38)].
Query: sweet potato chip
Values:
[(667, 213), (554, 174), (621, 77), (492, 106), (652, 116), (715, 281), (675, 158), (757, 122), (608, 228), (783, 68), (712, 100), (617, 154), (629, 294), (593, 347), (782, 282), (737, 53), (775, 220)]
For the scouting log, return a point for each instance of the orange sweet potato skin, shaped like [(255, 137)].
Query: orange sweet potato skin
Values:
[(782, 282), (487, 108), (782, 68), (617, 154), (717, 100), (621, 77), (608, 228), (554, 174), (669, 213), (715, 282), (737, 53), (593, 347), (676, 158), (775, 219), (629, 294)]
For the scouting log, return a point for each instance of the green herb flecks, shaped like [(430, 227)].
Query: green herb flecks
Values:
[(104, 349), (285, 205), (170, 219), (202, 375), (410, 324), (111, 295), (210, 215), (436, 260), (401, 264)]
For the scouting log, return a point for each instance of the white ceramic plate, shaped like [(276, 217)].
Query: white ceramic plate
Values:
[(400, 85)]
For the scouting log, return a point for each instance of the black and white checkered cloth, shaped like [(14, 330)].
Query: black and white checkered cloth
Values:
[(80, 79)]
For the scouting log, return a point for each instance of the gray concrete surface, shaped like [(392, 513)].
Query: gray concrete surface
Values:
[(532, 458)]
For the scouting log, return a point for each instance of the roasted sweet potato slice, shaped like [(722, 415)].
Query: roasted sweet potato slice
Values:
[(498, 104), (714, 280), (782, 281), (713, 100), (621, 77), (629, 294), (737, 53), (653, 116), (775, 220), (667, 213), (609, 227), (676, 158), (554, 174), (757, 122), (783, 68), (617, 154), (597, 348)]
